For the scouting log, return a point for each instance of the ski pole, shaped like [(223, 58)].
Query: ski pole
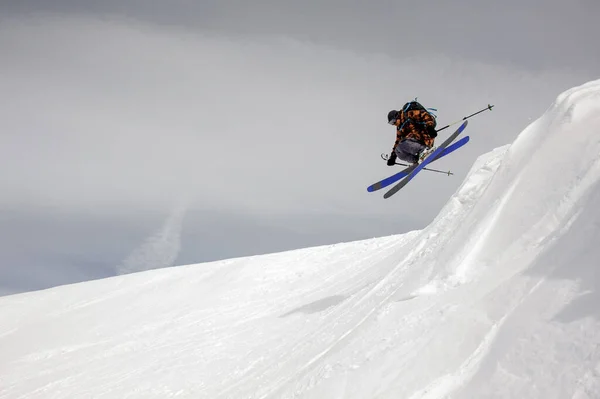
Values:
[(466, 117), (431, 170)]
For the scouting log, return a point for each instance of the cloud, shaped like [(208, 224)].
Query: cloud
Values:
[(116, 113), (160, 250), (555, 34)]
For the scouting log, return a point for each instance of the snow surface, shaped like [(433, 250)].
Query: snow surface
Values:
[(498, 298)]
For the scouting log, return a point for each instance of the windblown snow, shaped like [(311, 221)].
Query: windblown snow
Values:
[(497, 298)]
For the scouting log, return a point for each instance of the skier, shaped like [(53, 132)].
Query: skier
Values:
[(415, 133)]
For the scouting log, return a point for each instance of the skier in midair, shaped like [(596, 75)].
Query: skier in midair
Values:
[(415, 133)]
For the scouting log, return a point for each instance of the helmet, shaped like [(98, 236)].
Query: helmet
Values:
[(393, 115)]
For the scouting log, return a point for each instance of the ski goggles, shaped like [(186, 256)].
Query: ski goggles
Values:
[(393, 121)]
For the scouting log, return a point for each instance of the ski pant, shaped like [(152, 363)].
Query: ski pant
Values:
[(408, 150)]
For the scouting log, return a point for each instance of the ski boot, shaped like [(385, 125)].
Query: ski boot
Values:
[(425, 153)]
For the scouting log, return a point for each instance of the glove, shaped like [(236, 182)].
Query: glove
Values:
[(392, 159), (431, 132)]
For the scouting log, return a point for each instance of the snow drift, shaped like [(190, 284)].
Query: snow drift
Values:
[(498, 297)]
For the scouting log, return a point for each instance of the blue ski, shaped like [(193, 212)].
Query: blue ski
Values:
[(427, 161), (405, 172)]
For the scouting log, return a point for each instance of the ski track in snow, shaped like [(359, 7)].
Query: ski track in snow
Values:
[(445, 385), (468, 307)]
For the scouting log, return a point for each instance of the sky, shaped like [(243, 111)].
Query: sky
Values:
[(223, 129), (495, 298)]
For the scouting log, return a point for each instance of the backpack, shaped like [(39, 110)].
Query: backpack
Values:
[(417, 106)]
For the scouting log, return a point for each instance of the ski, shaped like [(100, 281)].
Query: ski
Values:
[(425, 162), (405, 172)]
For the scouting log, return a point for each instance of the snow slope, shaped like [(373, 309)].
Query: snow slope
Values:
[(497, 298)]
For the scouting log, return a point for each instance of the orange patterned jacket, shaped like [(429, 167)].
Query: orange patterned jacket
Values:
[(414, 124)]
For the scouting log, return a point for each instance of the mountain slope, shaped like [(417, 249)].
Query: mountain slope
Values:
[(496, 298)]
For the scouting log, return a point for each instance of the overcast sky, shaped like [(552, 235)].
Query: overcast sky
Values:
[(258, 125)]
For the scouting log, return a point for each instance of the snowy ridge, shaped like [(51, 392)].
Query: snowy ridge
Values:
[(497, 297)]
